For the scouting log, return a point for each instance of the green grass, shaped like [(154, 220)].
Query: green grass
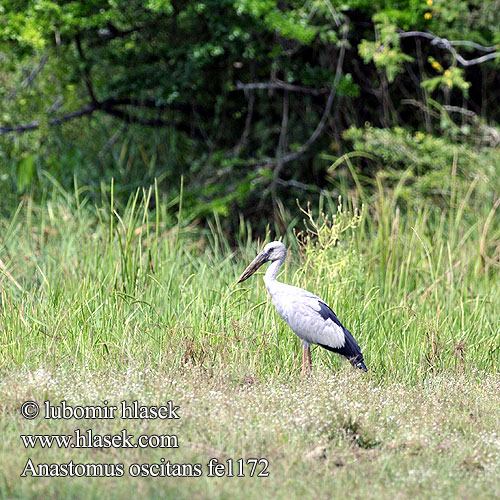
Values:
[(100, 287), (120, 301)]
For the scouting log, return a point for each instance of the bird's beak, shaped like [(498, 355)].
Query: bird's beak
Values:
[(253, 266)]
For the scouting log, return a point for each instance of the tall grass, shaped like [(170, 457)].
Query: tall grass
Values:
[(114, 285)]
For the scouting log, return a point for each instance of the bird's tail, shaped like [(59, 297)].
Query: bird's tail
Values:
[(349, 350), (361, 366), (358, 362)]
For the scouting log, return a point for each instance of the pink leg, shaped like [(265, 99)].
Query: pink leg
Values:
[(306, 361)]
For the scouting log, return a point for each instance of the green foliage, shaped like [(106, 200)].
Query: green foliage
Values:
[(292, 24), (385, 53), (347, 86), (421, 165), (162, 82), (25, 172), (449, 78)]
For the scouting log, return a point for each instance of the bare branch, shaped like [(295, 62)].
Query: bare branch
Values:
[(248, 123), (474, 45), (443, 43), (319, 129), (112, 32), (86, 71), (280, 85), (145, 103), (27, 81), (108, 106), (304, 187), (334, 13), (111, 141), (87, 110), (57, 104), (130, 118), (490, 135), (457, 109)]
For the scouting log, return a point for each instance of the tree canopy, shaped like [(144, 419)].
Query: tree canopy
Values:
[(250, 100)]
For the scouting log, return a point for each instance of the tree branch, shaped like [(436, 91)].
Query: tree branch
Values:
[(86, 72), (278, 84), (130, 118), (319, 129), (30, 77), (443, 43), (112, 32), (304, 187), (108, 106), (20, 129)]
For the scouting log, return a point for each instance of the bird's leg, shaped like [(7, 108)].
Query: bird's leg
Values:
[(306, 361), (309, 362)]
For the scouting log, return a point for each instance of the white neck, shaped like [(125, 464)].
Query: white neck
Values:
[(272, 272)]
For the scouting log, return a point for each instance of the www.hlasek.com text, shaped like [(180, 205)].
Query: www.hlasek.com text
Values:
[(90, 439)]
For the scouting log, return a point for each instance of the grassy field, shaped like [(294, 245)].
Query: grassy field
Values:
[(337, 434), (121, 302)]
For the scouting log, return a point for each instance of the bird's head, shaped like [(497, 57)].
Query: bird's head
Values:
[(271, 252)]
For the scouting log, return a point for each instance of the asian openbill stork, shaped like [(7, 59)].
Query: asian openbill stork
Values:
[(306, 314)]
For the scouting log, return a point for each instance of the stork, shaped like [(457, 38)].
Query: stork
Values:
[(306, 314)]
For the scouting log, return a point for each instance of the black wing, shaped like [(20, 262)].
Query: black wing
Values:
[(350, 349)]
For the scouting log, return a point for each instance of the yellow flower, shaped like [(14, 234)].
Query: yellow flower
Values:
[(435, 64), (429, 2), (427, 15), (447, 72)]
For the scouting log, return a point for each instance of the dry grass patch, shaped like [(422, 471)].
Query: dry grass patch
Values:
[(333, 433)]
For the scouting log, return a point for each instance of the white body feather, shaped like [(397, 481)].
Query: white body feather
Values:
[(301, 311)]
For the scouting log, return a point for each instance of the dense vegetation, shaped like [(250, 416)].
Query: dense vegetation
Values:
[(251, 101)]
